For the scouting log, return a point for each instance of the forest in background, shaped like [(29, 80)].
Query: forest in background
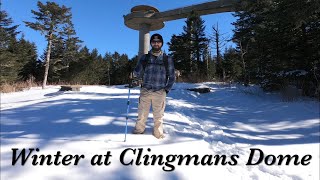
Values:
[(277, 46)]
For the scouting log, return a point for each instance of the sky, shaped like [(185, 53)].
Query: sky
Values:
[(229, 121), (100, 24)]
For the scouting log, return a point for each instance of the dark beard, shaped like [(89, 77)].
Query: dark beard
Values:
[(156, 50)]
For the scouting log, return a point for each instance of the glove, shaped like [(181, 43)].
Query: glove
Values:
[(134, 82)]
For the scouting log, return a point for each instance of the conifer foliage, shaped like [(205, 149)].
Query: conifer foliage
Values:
[(190, 48), (18, 56), (279, 41), (50, 21), (277, 46)]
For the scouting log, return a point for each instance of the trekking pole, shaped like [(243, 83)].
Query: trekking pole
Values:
[(128, 105)]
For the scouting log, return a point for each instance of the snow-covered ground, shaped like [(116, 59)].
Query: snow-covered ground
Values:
[(221, 127)]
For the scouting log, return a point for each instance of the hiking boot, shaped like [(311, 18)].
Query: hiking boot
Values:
[(137, 132), (161, 136)]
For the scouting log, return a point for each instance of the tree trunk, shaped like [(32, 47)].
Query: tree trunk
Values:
[(109, 75), (220, 69), (243, 52), (207, 66), (47, 63), (191, 64)]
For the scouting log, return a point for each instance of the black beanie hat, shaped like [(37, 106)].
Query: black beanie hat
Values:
[(156, 37)]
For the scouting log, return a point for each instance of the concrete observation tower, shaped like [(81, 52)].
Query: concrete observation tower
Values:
[(146, 18)]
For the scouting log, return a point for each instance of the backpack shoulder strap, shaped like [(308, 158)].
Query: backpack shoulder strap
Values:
[(147, 58), (165, 61), (145, 61)]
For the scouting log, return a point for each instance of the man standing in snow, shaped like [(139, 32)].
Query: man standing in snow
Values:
[(156, 69)]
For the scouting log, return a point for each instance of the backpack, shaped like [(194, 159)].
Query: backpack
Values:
[(145, 62)]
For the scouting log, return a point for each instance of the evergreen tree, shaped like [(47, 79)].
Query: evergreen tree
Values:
[(71, 49), (91, 68), (90, 72), (7, 30), (278, 42), (27, 59), (76, 68), (50, 20), (108, 72), (194, 34), (210, 66), (232, 64), (124, 68), (180, 52), (16, 55), (189, 47), (116, 68), (249, 17), (56, 60), (8, 41)]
